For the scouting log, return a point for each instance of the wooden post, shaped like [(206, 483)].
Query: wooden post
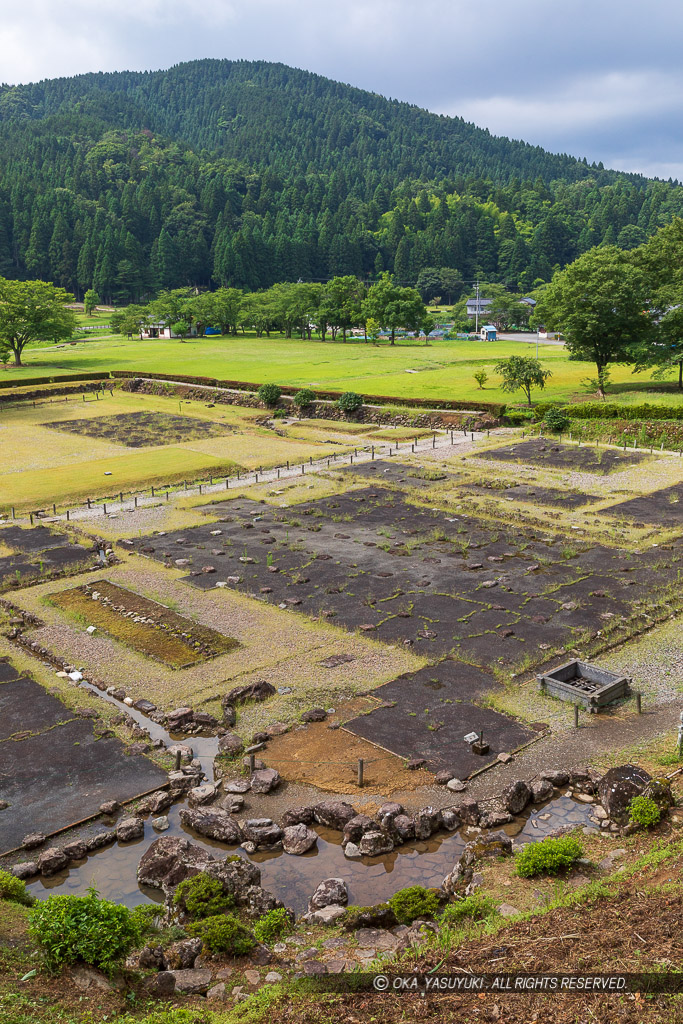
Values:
[(252, 763), (67, 515), (152, 490), (54, 509), (638, 702), (576, 716), (178, 757), (121, 496), (135, 500), (31, 517), (104, 508), (360, 772)]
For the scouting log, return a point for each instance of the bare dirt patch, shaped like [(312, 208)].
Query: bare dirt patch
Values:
[(328, 758)]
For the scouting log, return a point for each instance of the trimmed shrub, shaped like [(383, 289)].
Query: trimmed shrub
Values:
[(202, 896), (414, 901), (557, 420), (223, 933), (612, 410), (273, 924), (515, 418), (70, 928), (548, 857), (476, 907), (304, 399), (14, 889), (269, 394), (643, 811), (350, 402)]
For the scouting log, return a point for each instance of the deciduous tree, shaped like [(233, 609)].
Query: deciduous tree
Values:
[(33, 311)]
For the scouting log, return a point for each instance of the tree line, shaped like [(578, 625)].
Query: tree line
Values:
[(333, 309)]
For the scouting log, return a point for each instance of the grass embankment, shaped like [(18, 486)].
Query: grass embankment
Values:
[(442, 369)]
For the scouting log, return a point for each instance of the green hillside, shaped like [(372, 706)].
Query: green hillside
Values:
[(220, 172)]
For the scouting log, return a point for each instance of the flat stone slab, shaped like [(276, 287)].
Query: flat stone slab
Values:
[(59, 773)]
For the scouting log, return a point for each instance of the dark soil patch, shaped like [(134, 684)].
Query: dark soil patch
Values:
[(144, 625), (558, 456), (39, 554), (143, 429), (59, 773), (431, 713), (664, 507), (533, 495)]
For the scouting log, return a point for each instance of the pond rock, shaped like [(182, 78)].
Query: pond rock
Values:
[(265, 779), (333, 813), (328, 892), (618, 787), (217, 825), (516, 796), (376, 844), (298, 839)]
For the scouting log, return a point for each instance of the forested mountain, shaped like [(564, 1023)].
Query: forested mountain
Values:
[(219, 172)]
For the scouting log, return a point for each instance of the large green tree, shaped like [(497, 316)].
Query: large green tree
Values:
[(662, 260), (522, 373), (394, 306), (601, 304), (33, 311)]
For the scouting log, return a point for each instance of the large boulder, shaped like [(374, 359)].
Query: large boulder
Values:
[(192, 982), (257, 901), (427, 820), (129, 829), (468, 809), (387, 812), (331, 891), (333, 813), (402, 828), (584, 780), (298, 839), (541, 789), (450, 818), (52, 860), (260, 690), (298, 816), (376, 843), (557, 777), (179, 719), (379, 916), (516, 796), (230, 744), (617, 788), (217, 825), (496, 844), (237, 875), (181, 955), (171, 859), (356, 827), (659, 790), (262, 832), (265, 779)]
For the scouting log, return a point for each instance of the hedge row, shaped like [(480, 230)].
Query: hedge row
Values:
[(496, 409), (612, 411), (60, 378)]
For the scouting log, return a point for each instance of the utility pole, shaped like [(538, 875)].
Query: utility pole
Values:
[(476, 312)]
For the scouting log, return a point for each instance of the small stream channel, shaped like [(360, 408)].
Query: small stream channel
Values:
[(113, 870)]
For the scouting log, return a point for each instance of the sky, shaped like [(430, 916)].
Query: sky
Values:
[(595, 78)]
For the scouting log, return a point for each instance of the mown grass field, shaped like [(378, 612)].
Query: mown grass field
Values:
[(442, 369), (42, 465)]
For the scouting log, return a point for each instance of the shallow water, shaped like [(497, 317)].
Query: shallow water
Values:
[(112, 870)]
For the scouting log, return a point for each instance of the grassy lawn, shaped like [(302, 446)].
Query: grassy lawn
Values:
[(43, 465), (442, 369)]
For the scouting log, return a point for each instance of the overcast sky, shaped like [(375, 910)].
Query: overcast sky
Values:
[(594, 78)]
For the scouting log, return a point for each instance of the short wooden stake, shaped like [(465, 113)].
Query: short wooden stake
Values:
[(576, 716), (178, 758), (638, 702), (360, 772)]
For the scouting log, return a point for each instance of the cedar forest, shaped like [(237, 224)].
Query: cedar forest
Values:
[(218, 173)]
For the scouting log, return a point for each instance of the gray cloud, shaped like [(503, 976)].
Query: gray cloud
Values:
[(595, 79)]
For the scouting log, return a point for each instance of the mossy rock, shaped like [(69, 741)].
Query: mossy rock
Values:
[(380, 915)]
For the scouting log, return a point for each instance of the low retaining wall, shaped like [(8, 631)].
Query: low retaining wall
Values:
[(444, 419)]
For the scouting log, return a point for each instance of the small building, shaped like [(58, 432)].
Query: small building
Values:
[(488, 332), (528, 301), (480, 307), (164, 330)]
